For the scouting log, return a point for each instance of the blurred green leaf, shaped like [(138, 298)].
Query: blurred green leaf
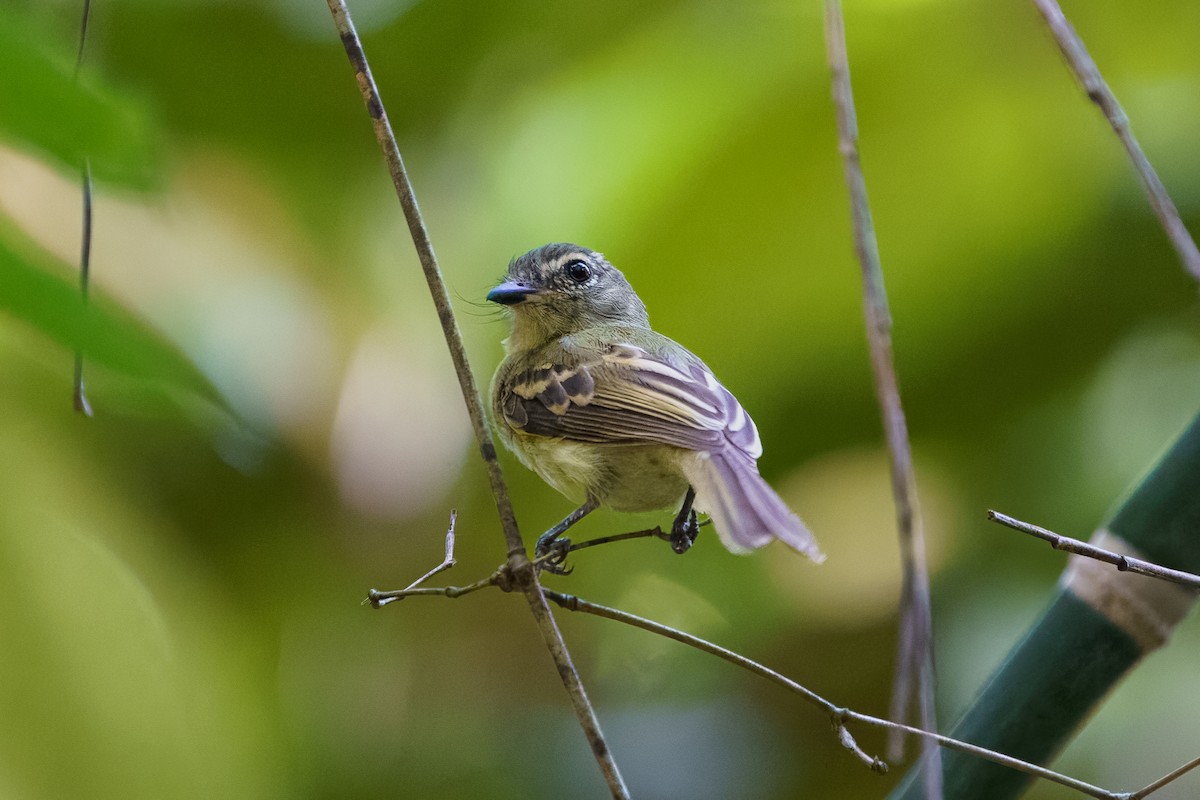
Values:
[(34, 287), (44, 109)]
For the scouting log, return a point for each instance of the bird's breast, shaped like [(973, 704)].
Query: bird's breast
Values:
[(629, 478)]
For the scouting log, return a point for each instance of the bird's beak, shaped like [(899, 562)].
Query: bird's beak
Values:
[(510, 293)]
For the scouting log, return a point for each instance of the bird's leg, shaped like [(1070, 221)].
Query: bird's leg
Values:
[(550, 544), (685, 528)]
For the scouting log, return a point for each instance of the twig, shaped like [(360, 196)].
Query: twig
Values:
[(501, 577), (649, 533), (448, 560), (915, 651), (574, 603), (1164, 780), (655, 532), (1122, 563), (380, 599), (838, 714), (874, 763), (78, 394), (83, 26), (522, 571), (1088, 74)]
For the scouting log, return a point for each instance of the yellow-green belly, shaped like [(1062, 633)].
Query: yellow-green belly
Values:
[(622, 477)]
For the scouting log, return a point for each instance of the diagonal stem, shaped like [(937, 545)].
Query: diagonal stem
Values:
[(1081, 63), (524, 575)]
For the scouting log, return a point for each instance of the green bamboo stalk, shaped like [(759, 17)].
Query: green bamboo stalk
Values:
[(1087, 640)]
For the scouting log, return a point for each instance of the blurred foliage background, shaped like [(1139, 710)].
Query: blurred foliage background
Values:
[(278, 427)]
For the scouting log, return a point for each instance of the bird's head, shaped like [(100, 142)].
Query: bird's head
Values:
[(559, 289)]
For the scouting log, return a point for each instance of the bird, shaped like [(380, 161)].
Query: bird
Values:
[(613, 414)]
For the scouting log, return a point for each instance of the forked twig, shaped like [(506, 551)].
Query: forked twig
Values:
[(380, 599), (1121, 562), (523, 574), (501, 577), (915, 650), (1084, 66)]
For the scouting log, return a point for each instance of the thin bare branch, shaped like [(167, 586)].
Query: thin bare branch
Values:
[(649, 533), (915, 650), (655, 533), (78, 394), (448, 560), (839, 715), (1098, 91), (83, 29), (524, 575), (874, 763), (1122, 563), (1165, 779), (380, 599)]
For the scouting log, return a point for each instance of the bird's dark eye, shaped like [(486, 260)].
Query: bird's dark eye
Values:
[(578, 270)]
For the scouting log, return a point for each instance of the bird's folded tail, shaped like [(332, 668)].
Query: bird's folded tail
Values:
[(746, 511)]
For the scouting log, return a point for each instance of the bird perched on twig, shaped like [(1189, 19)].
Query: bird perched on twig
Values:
[(612, 414)]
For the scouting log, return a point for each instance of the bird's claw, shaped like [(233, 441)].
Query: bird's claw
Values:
[(684, 532), (551, 554)]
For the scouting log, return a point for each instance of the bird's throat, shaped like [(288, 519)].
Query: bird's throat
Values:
[(530, 332)]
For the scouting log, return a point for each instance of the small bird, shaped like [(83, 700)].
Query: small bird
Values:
[(612, 414)]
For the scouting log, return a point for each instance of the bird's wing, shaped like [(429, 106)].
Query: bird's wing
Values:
[(623, 394)]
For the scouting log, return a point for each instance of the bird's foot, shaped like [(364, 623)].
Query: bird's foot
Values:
[(684, 531), (550, 554)]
